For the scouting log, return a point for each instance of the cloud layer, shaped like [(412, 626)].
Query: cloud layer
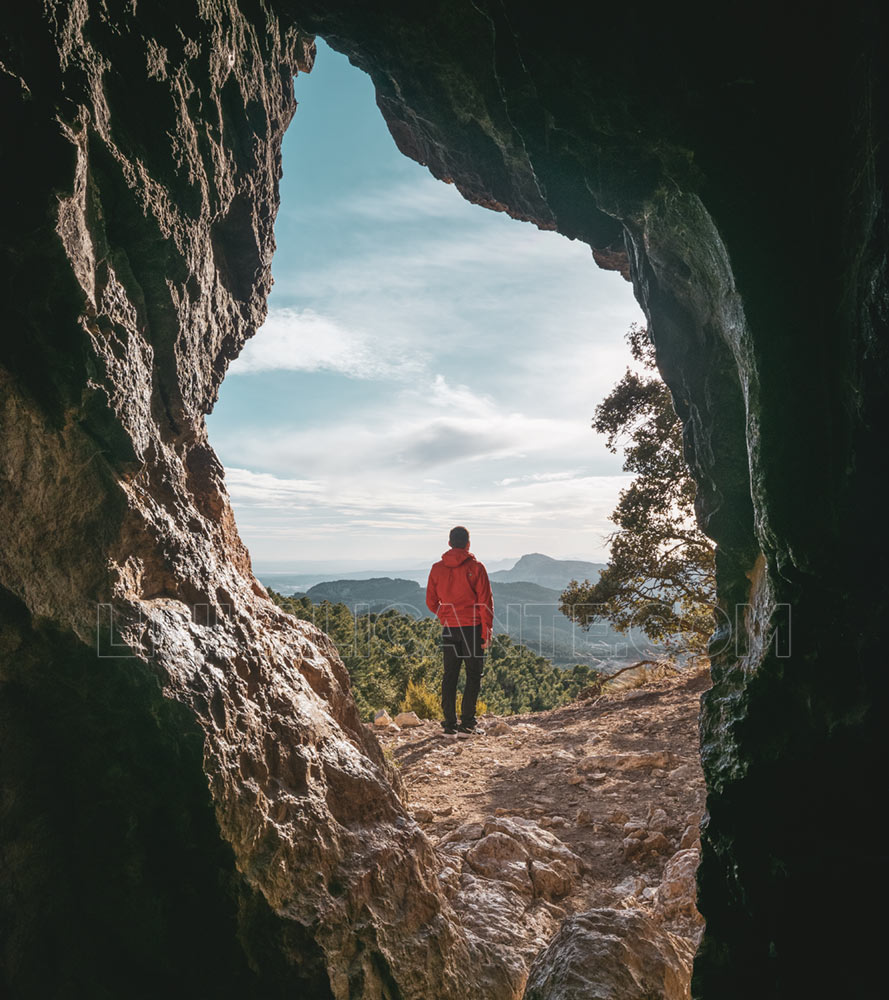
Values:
[(424, 362)]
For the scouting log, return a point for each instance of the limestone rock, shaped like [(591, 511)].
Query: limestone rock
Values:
[(658, 821), (382, 718), (640, 843), (408, 720), (677, 893), (551, 879), (501, 857), (141, 163), (464, 835), (691, 836), (614, 954), (539, 843), (500, 728)]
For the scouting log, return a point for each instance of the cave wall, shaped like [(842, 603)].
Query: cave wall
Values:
[(190, 799), (732, 162)]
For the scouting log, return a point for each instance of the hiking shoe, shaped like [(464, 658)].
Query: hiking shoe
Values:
[(449, 730), (471, 730)]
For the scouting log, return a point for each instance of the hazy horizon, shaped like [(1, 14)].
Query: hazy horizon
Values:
[(294, 565)]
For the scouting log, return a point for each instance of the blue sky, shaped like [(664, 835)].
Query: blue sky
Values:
[(425, 363)]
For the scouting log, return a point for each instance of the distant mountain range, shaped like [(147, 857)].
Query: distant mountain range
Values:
[(525, 607), (548, 572)]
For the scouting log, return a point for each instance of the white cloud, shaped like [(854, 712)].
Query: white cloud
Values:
[(484, 347), (410, 518), (421, 197), (260, 489), (429, 428), (537, 477), (303, 340)]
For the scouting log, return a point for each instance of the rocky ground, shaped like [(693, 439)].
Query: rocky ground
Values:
[(579, 821)]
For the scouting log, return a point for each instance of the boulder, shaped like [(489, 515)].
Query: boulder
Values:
[(463, 836), (691, 836), (499, 856), (618, 954), (658, 821), (552, 879), (408, 720), (677, 894), (539, 843), (636, 846)]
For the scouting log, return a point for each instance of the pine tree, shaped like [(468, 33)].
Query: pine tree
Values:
[(660, 577)]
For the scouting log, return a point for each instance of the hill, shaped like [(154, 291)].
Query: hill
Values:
[(374, 595), (525, 611), (548, 572)]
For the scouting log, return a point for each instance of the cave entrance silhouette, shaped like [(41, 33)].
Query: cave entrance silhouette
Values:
[(462, 280), (161, 716)]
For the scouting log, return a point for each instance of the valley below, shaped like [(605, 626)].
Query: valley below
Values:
[(526, 608)]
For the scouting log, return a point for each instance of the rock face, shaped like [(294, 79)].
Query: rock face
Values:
[(612, 955), (191, 803), (189, 797)]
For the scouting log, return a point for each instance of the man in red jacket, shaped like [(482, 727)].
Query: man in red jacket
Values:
[(459, 594)]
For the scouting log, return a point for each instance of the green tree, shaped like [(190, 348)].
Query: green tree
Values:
[(660, 575), (394, 661)]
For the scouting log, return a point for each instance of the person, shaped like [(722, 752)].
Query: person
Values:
[(459, 594)]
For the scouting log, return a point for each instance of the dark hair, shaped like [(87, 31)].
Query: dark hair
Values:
[(458, 538)]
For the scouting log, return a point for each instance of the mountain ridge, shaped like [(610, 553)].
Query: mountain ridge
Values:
[(535, 567)]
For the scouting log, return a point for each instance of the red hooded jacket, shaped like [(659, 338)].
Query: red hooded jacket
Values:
[(459, 592)]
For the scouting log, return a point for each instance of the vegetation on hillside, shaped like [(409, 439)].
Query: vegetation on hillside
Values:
[(661, 574), (394, 662)]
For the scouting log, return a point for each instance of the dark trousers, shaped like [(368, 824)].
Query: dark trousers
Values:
[(461, 644)]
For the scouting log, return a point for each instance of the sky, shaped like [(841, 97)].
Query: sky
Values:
[(425, 363)]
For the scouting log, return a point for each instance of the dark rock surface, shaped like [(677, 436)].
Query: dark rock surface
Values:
[(732, 161)]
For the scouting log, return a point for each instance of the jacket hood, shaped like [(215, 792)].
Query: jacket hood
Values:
[(456, 557)]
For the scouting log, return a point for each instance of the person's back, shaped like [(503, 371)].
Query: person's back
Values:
[(458, 582), (459, 594)]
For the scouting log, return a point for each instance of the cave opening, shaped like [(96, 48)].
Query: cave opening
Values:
[(175, 770), (427, 362)]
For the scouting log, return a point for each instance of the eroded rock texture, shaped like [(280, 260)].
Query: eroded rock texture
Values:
[(190, 799), (618, 954), (208, 807)]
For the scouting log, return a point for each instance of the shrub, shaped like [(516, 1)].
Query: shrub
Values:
[(420, 698)]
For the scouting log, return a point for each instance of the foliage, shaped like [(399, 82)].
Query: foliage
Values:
[(394, 662), (661, 574), (420, 698)]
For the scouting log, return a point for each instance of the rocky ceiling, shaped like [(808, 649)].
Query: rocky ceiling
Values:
[(190, 803)]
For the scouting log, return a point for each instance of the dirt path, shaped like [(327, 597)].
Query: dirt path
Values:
[(618, 781)]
